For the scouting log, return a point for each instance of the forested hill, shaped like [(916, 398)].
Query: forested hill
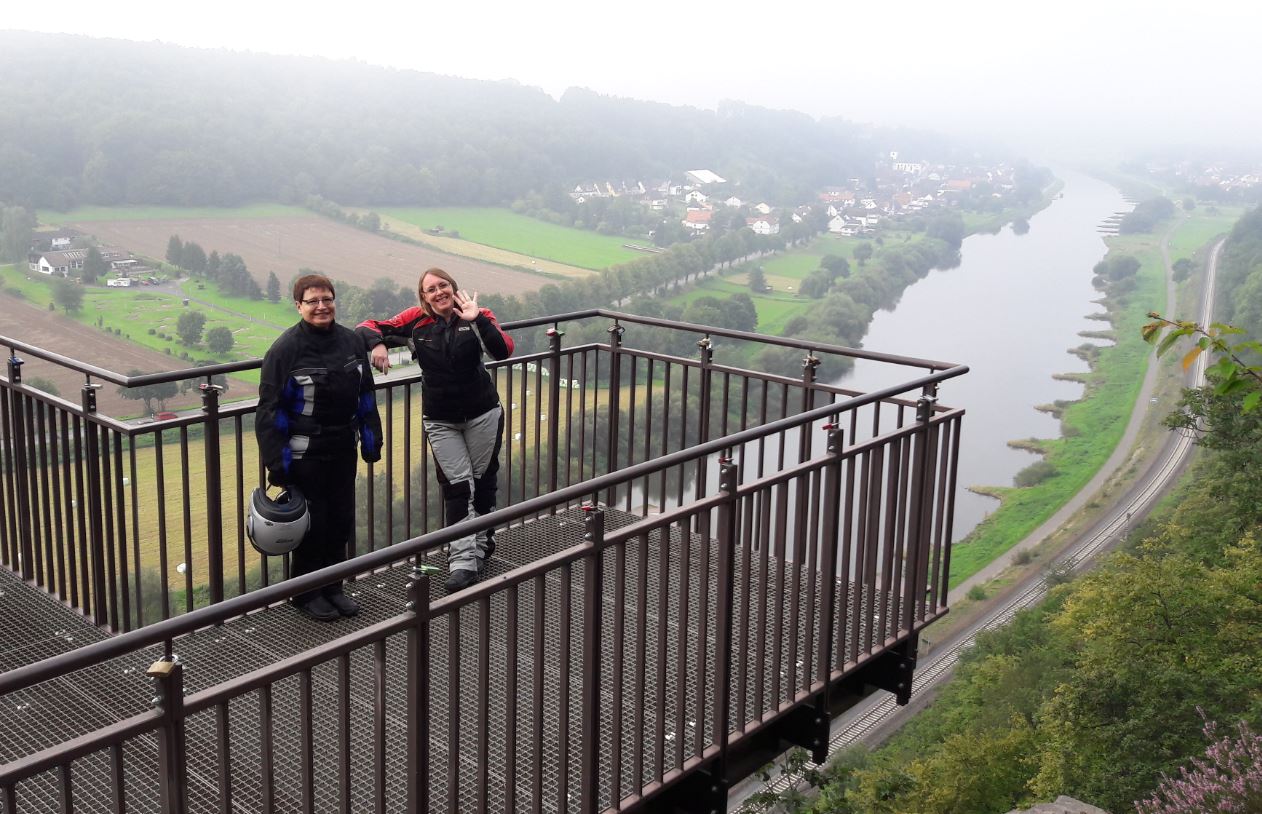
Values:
[(99, 121)]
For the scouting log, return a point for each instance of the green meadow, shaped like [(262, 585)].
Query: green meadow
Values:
[(517, 233)]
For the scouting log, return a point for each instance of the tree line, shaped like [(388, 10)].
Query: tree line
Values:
[(150, 123)]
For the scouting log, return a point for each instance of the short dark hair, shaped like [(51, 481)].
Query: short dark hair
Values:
[(312, 281)]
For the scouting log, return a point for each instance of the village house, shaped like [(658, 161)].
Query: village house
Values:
[(763, 225), (703, 178), (698, 220), (60, 263), (696, 196), (762, 209), (734, 202)]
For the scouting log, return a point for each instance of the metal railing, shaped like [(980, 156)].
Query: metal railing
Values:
[(756, 549)]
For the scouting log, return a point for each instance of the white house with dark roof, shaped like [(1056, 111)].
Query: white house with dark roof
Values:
[(763, 225), (59, 263)]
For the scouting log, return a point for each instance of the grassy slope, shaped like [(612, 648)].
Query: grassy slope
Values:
[(517, 233)]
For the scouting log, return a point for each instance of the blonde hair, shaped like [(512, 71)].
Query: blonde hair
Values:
[(440, 274)]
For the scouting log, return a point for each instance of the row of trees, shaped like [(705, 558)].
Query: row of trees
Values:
[(229, 271)]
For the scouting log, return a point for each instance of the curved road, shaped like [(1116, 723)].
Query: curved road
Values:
[(877, 716)]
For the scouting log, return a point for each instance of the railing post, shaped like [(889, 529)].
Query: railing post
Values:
[(726, 535), (214, 490), (593, 590), (830, 539), (554, 409), (16, 437), (810, 365), (96, 523), (168, 679), (706, 347), (615, 403), (418, 662)]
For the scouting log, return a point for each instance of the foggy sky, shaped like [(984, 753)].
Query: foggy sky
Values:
[(1053, 79)]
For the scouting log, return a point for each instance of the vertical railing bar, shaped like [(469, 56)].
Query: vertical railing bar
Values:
[(380, 724), (861, 525), (267, 761), (726, 532), (764, 599), (163, 561), (121, 509), (537, 688), (829, 540), (648, 433), (67, 487), (223, 752), (815, 480), (889, 577), (65, 787), (593, 601), (563, 686), (663, 582), (683, 434), (55, 488), (344, 764), (510, 699), (540, 416), (238, 429), (306, 741), (87, 565), (484, 702), (618, 663), (703, 636), (665, 433), (569, 414), (214, 493), (742, 647), (897, 604), (922, 541), (135, 533), (168, 676), (9, 551), (408, 531), (118, 781), (188, 519), (781, 493), (554, 409), (682, 626), (631, 401), (872, 543), (43, 480), (640, 702), (945, 571), (388, 464), (107, 502)]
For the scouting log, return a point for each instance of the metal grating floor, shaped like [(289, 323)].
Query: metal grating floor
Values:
[(676, 707)]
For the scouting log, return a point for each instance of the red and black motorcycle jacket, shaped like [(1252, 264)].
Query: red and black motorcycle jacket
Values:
[(455, 384)]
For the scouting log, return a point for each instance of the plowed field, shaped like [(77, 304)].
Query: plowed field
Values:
[(37, 326), (285, 245)]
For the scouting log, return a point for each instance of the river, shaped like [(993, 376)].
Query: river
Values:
[(1011, 311)]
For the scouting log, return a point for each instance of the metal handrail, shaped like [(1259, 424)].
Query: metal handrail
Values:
[(219, 612)]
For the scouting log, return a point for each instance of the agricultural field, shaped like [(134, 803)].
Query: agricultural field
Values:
[(285, 244), (517, 233), (35, 325)]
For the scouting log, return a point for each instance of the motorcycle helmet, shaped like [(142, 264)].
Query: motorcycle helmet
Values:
[(277, 526)]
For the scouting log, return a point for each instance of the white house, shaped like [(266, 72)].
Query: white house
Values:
[(696, 196), (762, 209), (733, 202), (764, 225), (59, 263), (698, 220)]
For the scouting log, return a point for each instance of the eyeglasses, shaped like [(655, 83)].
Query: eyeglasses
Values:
[(436, 287), (318, 301)]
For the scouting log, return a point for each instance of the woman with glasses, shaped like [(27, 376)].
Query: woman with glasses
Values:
[(316, 400), (460, 407)]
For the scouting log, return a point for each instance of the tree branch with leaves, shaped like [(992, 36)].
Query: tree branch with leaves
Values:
[(1230, 374)]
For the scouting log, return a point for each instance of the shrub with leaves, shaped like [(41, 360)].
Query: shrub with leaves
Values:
[(1230, 373)]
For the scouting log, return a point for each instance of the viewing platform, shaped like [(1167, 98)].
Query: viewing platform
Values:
[(698, 564)]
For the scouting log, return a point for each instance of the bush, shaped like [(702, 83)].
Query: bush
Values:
[(977, 593), (1023, 557), (1035, 473)]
